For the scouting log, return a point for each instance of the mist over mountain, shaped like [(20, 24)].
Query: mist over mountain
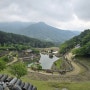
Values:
[(13, 27), (39, 30)]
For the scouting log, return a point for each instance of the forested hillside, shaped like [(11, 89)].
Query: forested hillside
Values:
[(7, 39), (39, 30), (80, 43)]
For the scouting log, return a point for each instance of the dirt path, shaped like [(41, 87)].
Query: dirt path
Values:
[(77, 68), (15, 60)]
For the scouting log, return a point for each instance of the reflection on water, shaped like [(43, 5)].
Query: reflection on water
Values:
[(47, 62)]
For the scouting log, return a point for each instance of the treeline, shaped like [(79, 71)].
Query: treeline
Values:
[(10, 39), (80, 43)]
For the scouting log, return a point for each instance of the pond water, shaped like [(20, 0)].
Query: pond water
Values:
[(47, 62)]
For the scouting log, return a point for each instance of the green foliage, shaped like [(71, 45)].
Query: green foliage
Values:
[(68, 45), (63, 48), (35, 66), (5, 58), (79, 51), (39, 67), (2, 65), (86, 39), (83, 40), (19, 42), (84, 50), (39, 30), (3, 61), (35, 51), (58, 63), (19, 69)]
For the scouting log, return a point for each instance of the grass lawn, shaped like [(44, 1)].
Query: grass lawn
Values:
[(85, 60), (49, 85), (58, 63), (54, 85)]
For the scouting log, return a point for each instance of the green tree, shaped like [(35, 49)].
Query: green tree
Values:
[(83, 40), (39, 67), (2, 65), (5, 58), (82, 51), (63, 48), (19, 69)]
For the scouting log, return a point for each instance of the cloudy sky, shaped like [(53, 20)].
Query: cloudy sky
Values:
[(64, 14)]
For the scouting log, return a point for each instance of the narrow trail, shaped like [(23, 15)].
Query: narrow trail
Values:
[(15, 60), (77, 68)]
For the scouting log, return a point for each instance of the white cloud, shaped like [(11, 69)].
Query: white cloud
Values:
[(82, 9), (65, 14)]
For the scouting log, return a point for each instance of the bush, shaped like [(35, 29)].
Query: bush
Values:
[(5, 58), (2, 65), (19, 69)]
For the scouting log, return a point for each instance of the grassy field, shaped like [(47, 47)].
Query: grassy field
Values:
[(47, 85), (58, 63), (54, 85), (57, 85), (85, 60)]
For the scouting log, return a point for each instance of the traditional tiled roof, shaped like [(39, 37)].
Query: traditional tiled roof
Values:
[(10, 83)]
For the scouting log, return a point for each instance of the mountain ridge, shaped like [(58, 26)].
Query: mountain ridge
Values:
[(10, 38), (80, 44), (40, 31)]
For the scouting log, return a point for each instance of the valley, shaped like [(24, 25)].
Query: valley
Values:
[(44, 45), (75, 77), (46, 66), (40, 30)]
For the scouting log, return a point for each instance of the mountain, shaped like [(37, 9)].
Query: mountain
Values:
[(10, 38), (13, 27), (80, 43), (39, 30)]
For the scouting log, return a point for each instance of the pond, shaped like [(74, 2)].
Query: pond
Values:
[(47, 62)]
